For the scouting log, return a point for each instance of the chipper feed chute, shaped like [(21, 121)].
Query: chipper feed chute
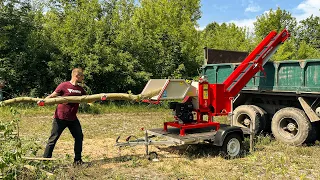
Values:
[(170, 89)]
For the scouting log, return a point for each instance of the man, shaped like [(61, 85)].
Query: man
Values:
[(65, 116), (1, 87)]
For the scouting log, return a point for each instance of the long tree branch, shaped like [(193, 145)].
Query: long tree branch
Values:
[(84, 99)]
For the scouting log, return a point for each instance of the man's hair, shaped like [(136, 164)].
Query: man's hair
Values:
[(75, 71)]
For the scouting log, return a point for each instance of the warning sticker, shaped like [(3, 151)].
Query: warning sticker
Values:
[(205, 94), (205, 91), (164, 94)]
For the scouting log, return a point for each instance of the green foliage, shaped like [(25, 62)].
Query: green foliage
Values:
[(74, 29), (285, 52), (274, 20), (121, 44), (165, 37), (13, 148), (306, 50), (309, 31), (227, 37), (122, 40), (10, 145), (277, 20), (23, 50), (303, 41)]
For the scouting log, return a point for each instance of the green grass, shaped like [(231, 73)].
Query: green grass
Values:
[(270, 160)]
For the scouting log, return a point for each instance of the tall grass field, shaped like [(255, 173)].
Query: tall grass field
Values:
[(103, 123)]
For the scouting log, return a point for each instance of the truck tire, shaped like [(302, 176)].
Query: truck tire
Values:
[(291, 126), (232, 146), (313, 135), (316, 127), (263, 118), (243, 116)]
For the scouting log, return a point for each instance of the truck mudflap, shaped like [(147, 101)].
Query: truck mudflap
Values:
[(224, 131)]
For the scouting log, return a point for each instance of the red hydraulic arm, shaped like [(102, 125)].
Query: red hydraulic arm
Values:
[(254, 62)]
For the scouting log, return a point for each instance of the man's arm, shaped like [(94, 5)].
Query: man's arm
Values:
[(53, 95)]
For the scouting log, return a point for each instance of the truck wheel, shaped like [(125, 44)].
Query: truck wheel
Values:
[(291, 126), (316, 127), (243, 116), (232, 146), (263, 118), (313, 134)]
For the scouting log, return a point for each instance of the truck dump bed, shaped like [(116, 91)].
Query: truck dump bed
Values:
[(295, 76)]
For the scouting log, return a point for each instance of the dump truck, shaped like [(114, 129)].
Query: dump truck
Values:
[(284, 98)]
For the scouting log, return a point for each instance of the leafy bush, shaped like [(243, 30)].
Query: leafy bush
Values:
[(10, 145), (12, 163)]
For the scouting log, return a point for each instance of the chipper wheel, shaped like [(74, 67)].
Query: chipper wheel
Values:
[(153, 156), (232, 146)]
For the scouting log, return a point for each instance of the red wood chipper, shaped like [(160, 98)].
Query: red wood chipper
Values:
[(202, 99)]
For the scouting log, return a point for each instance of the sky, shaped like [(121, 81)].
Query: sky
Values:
[(244, 12)]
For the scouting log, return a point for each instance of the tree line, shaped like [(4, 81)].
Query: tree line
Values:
[(121, 44)]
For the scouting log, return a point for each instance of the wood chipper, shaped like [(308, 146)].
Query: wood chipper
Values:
[(193, 120)]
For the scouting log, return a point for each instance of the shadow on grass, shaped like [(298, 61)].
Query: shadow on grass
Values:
[(119, 159), (69, 167), (197, 151), (194, 151)]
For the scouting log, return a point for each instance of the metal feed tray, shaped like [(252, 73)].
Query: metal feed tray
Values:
[(170, 89)]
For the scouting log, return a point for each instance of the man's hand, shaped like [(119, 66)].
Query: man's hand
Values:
[(104, 97), (41, 103), (53, 95)]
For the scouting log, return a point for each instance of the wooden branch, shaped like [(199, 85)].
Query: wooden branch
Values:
[(39, 158), (83, 99), (19, 99)]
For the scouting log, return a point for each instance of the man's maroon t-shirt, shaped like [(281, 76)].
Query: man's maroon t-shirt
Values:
[(68, 111)]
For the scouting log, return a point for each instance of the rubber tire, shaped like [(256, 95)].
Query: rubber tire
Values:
[(313, 135), (224, 148), (304, 126), (263, 118), (152, 155), (316, 126), (246, 110)]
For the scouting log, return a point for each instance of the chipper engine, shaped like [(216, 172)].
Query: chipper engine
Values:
[(193, 120)]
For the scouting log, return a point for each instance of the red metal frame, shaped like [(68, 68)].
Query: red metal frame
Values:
[(216, 99), (151, 101), (196, 125)]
